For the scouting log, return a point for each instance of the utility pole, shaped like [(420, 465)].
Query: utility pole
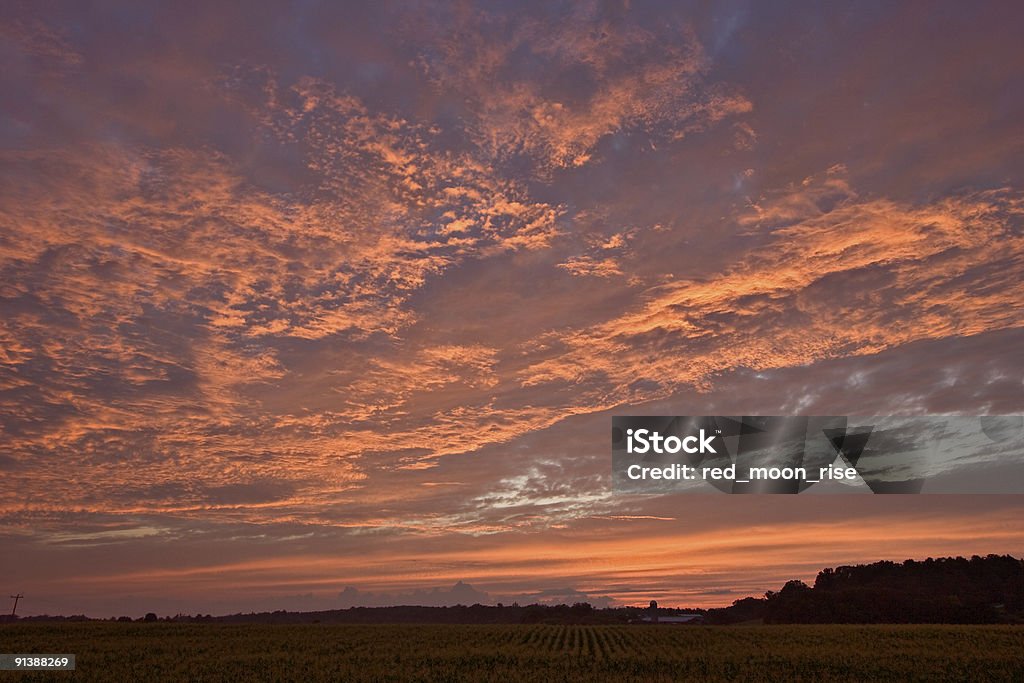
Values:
[(17, 597)]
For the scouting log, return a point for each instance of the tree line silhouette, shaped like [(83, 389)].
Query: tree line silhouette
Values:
[(955, 590), (950, 590)]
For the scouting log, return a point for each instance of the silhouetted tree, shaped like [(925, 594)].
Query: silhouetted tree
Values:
[(945, 590)]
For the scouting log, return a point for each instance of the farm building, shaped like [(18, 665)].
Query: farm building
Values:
[(673, 619)]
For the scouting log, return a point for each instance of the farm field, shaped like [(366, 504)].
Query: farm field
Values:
[(323, 652)]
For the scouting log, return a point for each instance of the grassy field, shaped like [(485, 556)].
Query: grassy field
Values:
[(320, 652)]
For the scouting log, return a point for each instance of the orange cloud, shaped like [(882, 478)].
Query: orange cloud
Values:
[(831, 274), (588, 77)]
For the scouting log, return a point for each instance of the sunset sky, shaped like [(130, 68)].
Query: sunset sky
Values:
[(296, 298)]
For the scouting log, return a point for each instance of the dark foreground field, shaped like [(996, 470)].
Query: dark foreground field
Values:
[(315, 652)]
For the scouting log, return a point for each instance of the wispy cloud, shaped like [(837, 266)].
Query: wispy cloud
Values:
[(552, 87)]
